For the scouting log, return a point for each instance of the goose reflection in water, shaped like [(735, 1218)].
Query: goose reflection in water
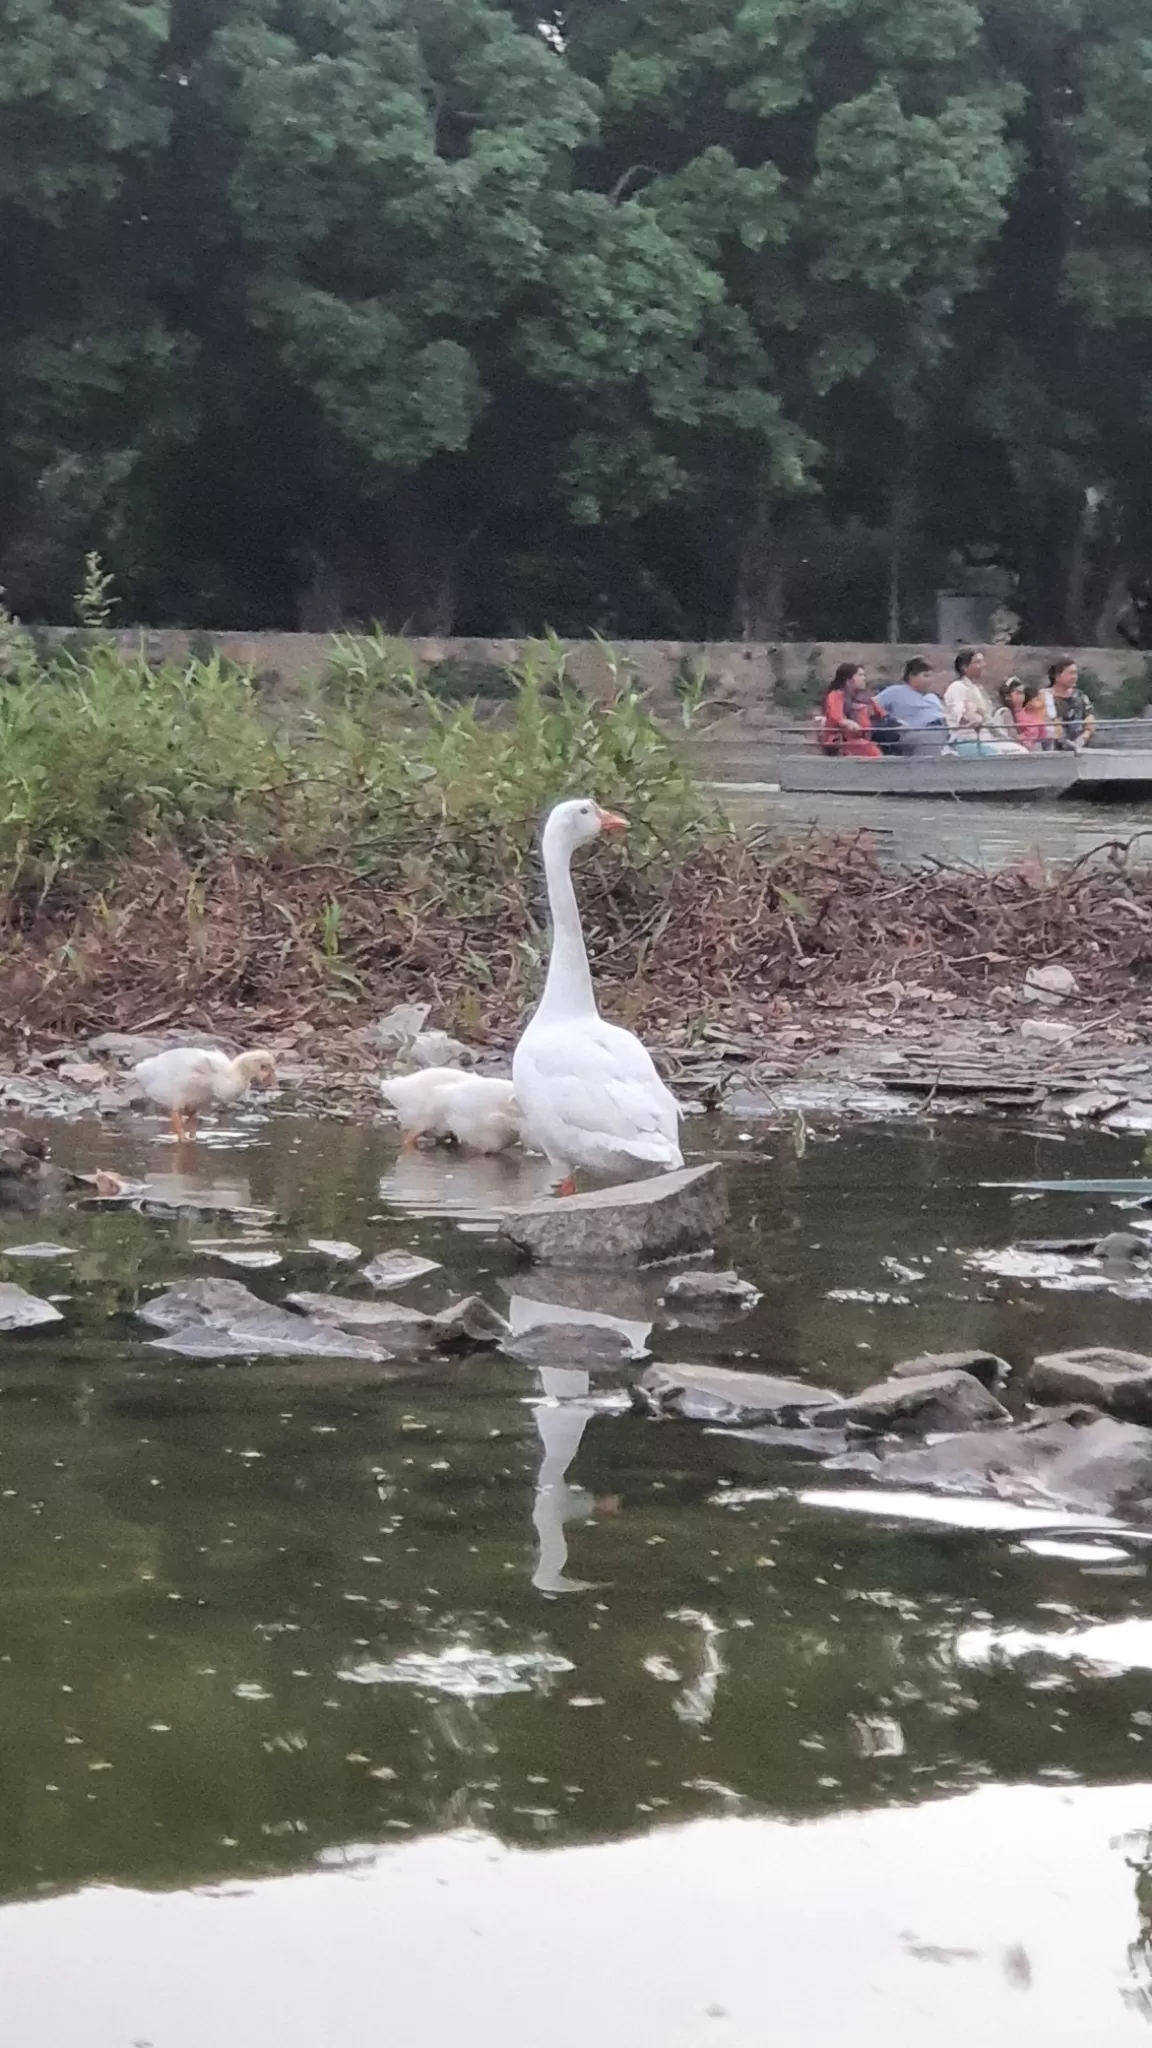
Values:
[(443, 1181), (562, 1415)]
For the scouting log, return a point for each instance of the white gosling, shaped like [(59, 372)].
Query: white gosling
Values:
[(191, 1078), (441, 1102), (589, 1094)]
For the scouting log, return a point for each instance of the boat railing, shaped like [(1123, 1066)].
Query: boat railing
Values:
[(799, 735)]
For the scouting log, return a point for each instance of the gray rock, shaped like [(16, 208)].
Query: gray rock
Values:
[(272, 1333), (938, 1400), (984, 1366), (590, 1347), (465, 1323), (214, 1302), (714, 1393), (344, 1312), (20, 1310), (705, 1289), (36, 1251), (1077, 1459), (1124, 1248), (1118, 1381), (635, 1223), (396, 1269), (337, 1248)]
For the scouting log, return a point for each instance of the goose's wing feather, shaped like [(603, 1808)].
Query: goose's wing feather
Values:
[(600, 1082)]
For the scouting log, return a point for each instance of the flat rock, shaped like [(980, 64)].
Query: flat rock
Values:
[(271, 1333), (20, 1310), (36, 1251), (937, 1400), (344, 1312), (589, 1347), (1078, 1459), (336, 1248), (715, 1393), (396, 1269), (637, 1222), (1118, 1381), (210, 1301), (250, 1258), (984, 1366), (705, 1289)]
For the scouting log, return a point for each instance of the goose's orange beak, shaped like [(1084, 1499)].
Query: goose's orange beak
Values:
[(611, 821)]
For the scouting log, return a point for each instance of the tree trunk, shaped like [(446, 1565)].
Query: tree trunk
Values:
[(760, 581)]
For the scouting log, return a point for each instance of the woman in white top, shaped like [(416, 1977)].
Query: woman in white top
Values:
[(969, 713)]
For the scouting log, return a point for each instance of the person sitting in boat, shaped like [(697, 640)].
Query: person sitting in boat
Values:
[(915, 710), (848, 713), (1032, 721), (969, 712), (1075, 718)]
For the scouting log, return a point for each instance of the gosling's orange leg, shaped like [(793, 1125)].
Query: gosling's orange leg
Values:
[(567, 1185), (411, 1141), (178, 1131)]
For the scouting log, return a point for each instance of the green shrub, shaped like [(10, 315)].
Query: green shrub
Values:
[(103, 757)]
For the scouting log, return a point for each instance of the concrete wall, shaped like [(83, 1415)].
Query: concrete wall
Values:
[(744, 677)]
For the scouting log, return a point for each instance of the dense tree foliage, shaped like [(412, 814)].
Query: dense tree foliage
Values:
[(655, 316)]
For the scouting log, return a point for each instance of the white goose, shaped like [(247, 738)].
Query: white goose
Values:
[(588, 1092)]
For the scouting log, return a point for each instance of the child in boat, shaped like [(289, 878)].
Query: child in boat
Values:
[(848, 713), (1032, 717)]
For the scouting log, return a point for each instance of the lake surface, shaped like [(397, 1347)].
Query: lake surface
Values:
[(348, 1704), (987, 835)]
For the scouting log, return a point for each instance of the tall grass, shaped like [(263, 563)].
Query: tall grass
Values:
[(104, 758)]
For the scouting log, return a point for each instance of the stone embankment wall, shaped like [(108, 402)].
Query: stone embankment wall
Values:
[(755, 683)]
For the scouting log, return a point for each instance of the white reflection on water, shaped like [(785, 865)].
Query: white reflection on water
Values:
[(1007, 1916), (1106, 1647), (463, 1671)]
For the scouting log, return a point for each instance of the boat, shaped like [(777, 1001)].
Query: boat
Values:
[(1117, 764)]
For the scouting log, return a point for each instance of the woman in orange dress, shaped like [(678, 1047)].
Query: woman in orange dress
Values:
[(848, 712)]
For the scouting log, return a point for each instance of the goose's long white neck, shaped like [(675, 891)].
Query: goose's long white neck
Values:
[(568, 987)]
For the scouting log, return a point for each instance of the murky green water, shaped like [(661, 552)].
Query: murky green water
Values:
[(346, 1704)]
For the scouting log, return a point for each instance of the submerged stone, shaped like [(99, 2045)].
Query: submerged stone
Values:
[(984, 1366), (635, 1223), (336, 1248), (36, 1251), (347, 1313), (1077, 1458), (211, 1301), (716, 1393), (590, 1347), (936, 1400), (20, 1310), (396, 1269), (470, 1321), (705, 1289), (272, 1333), (1118, 1381)]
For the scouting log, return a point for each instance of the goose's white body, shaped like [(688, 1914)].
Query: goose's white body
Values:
[(589, 1094), (441, 1102), (190, 1078)]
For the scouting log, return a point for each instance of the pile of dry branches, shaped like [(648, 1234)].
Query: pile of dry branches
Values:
[(741, 924)]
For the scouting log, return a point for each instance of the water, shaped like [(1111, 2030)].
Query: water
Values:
[(989, 835), (343, 1704)]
